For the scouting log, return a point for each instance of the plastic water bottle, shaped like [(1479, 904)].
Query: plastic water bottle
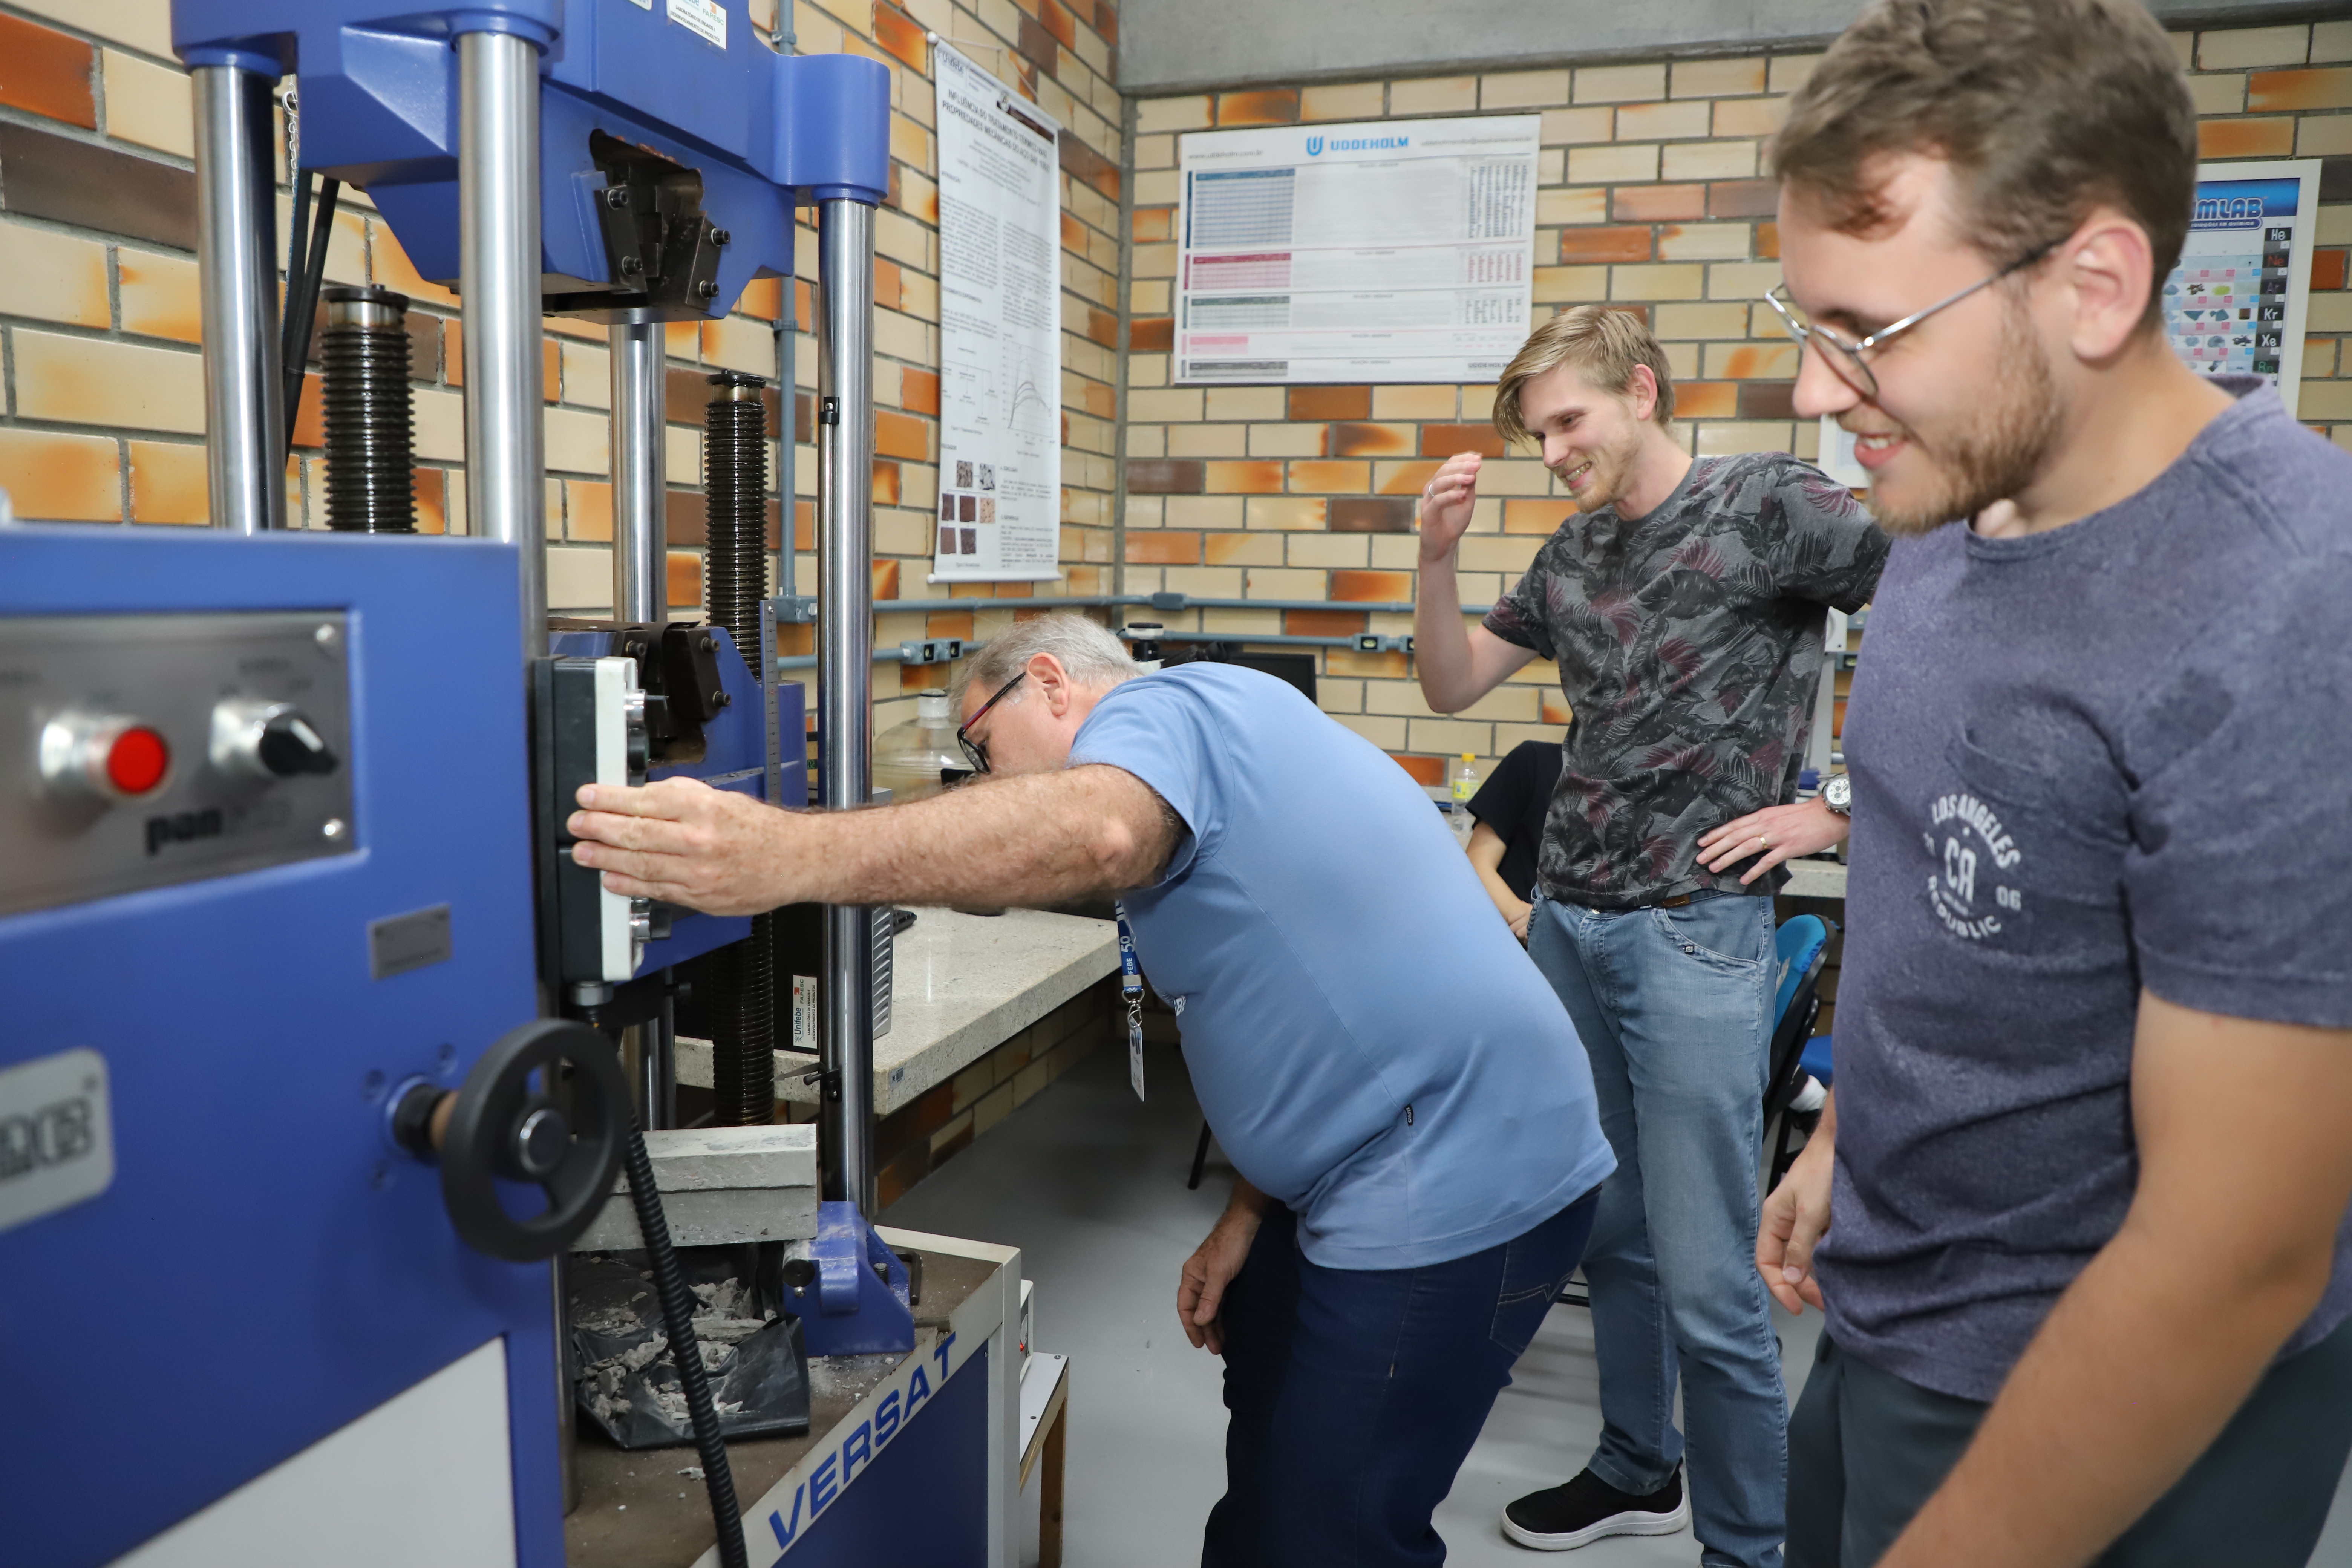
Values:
[(1465, 785)]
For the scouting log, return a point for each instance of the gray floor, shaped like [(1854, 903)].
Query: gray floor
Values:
[(1090, 1186)]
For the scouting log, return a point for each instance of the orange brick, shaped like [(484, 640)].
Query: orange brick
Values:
[(1153, 225), (2273, 92), (309, 416), (885, 483), (886, 579), (1324, 622), (1767, 360), (1162, 547), (1545, 517), (64, 479), (1152, 334), (1058, 22), (804, 525), (1768, 242), (1371, 587), (1245, 478), (1099, 399), (887, 290), (2245, 138), (588, 510), (684, 579), (159, 297), (1330, 403), (1360, 440), (902, 436), (1657, 204), (1607, 244), (1275, 107), (1556, 711), (1220, 548), (949, 624), (902, 37), (2327, 268), (762, 298), (1408, 479), (47, 73), (1424, 770), (432, 501), (1446, 441), (1310, 476), (168, 484), (918, 391), (1102, 327), (1704, 400)]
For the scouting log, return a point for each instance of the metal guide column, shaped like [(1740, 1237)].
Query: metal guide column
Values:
[(640, 534), (498, 273), (237, 281), (845, 444)]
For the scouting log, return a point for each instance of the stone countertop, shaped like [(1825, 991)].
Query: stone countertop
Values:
[(962, 985)]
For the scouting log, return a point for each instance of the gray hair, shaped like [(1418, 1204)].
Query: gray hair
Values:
[(1092, 655)]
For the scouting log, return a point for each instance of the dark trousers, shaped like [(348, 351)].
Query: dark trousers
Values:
[(1356, 1393), (1867, 1449)]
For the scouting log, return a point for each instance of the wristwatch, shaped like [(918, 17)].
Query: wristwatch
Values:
[(1837, 794)]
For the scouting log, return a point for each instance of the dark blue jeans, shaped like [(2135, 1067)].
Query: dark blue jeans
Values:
[(1356, 1393)]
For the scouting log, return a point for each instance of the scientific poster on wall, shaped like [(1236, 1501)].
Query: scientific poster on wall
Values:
[(2235, 304), (999, 511), (1396, 251)]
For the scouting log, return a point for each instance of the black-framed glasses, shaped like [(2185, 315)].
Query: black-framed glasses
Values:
[(977, 751), (1849, 357)]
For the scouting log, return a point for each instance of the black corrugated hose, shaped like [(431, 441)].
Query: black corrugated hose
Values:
[(678, 1317)]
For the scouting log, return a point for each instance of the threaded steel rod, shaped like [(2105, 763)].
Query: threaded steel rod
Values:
[(369, 426)]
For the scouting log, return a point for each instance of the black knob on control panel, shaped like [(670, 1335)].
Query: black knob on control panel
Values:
[(288, 745), (266, 740)]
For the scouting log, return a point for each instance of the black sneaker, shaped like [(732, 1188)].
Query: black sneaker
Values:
[(1589, 1508)]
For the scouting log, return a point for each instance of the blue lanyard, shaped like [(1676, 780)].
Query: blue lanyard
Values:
[(1130, 985)]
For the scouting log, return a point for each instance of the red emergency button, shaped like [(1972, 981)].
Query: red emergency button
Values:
[(137, 761), (103, 756)]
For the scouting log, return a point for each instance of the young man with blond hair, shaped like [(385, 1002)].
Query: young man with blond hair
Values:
[(2084, 1176), (1684, 604)]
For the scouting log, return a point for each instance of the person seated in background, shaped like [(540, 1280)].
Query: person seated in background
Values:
[(1510, 809)]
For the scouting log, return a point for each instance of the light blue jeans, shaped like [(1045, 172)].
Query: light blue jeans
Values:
[(1674, 1007)]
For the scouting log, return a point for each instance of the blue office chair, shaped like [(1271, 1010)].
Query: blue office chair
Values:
[(1801, 946)]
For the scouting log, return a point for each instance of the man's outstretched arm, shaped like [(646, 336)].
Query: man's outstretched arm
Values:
[(1044, 838), (2245, 1170)]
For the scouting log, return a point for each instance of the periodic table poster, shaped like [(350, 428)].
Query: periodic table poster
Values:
[(2235, 304)]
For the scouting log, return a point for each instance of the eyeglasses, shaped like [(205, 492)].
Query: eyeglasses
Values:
[(977, 751), (1846, 355)]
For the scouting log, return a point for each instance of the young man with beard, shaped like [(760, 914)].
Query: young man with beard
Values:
[(2085, 1172), (1684, 604)]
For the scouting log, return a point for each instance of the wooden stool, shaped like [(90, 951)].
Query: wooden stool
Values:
[(1044, 1406)]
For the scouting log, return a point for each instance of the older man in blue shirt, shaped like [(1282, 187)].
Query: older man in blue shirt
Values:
[(1407, 1103)]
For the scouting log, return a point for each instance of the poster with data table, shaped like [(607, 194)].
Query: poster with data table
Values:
[(1397, 251), (999, 511), (2235, 304)]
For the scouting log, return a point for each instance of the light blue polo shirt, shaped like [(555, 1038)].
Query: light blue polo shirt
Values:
[(1368, 1041)]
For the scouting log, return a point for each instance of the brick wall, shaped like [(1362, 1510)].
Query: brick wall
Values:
[(1649, 198), (103, 413)]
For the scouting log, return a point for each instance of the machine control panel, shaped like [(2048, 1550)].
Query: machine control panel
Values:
[(141, 751)]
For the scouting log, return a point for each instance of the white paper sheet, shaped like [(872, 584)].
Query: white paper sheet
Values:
[(1395, 251), (2235, 304), (1000, 512)]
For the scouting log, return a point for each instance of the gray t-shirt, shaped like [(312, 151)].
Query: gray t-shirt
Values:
[(2109, 756), (1689, 644)]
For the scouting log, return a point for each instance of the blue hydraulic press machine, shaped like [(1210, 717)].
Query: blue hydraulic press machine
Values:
[(325, 1057)]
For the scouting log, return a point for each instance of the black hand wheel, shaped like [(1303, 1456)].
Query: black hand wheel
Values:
[(502, 1128)]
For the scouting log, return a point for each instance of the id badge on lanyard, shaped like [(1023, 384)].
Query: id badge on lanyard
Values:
[(1130, 985)]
